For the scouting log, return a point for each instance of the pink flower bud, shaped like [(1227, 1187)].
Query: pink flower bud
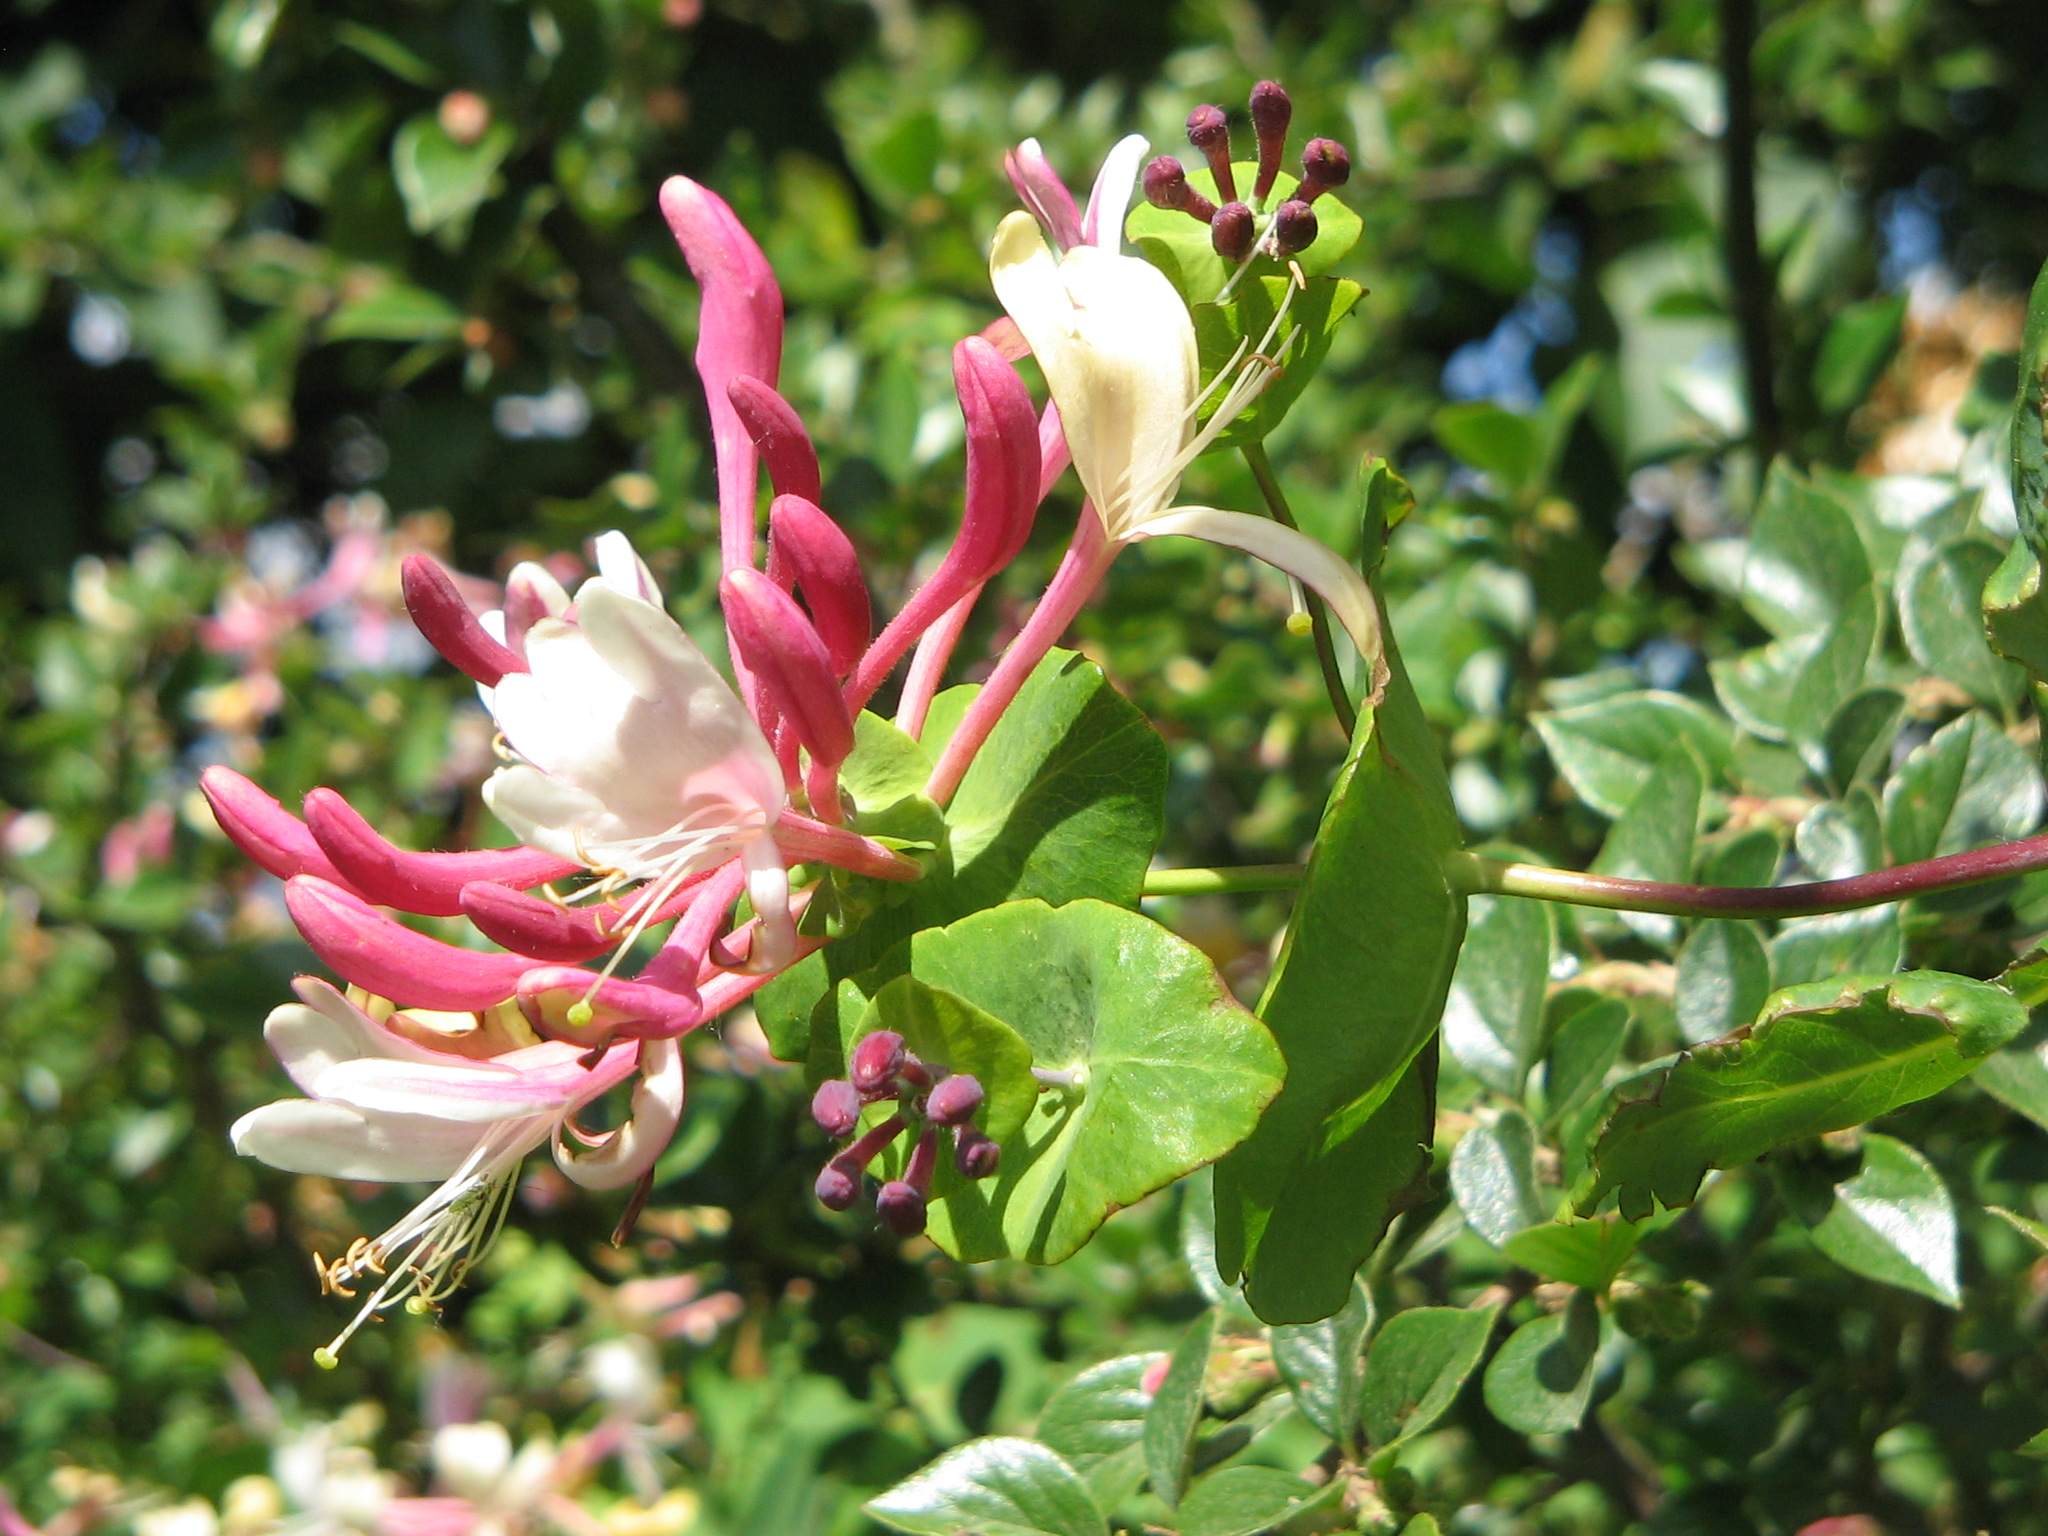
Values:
[(264, 830), (777, 642), (1272, 111), (779, 436), (1040, 189), (837, 1188), (901, 1208), (546, 930), (1232, 231), (440, 613), (810, 552), (836, 1108), (1166, 186), (1209, 131), (974, 1153), (1324, 164), (738, 332), (877, 1059), (431, 883), (563, 1003), (1002, 459), (363, 946), (1294, 227), (955, 1100)]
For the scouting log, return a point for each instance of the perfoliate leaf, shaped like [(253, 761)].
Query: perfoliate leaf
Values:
[(1235, 330), (1824, 1056), (1179, 245)]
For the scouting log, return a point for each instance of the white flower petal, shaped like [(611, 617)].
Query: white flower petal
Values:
[(542, 812), (1103, 224), (477, 1092), (620, 565), (631, 1150), (323, 1028), (309, 1136), (470, 1459)]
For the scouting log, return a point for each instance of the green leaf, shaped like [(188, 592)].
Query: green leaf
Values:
[(1895, 1223), (1724, 975), (1179, 245), (1541, 1382), (1198, 1239), (2026, 1226), (441, 181), (1584, 1047), (1806, 562), (1064, 800), (1322, 1365), (1756, 687), (1357, 992), (1841, 838), (395, 312), (942, 1351), (1824, 1056), (1493, 1178), (2016, 611), (1176, 1410), (2030, 424), (948, 1032), (1097, 1422), (1493, 1018), (1860, 340), (1608, 749), (1494, 441), (1832, 675), (1858, 740), (995, 1487), (1942, 619), (1968, 786), (1812, 949), (1242, 1501), (1582, 1253), (1235, 331), (1653, 839), (1417, 1364), (1169, 1071)]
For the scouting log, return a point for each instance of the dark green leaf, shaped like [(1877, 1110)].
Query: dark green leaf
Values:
[(1895, 1223), (1493, 1178), (1542, 1380), (1242, 1501), (1585, 1046), (1806, 563), (2030, 424), (994, 1487), (442, 181), (1724, 975), (1417, 1363), (1832, 674), (2016, 610), (395, 312), (1097, 1422), (1607, 750), (1860, 340), (1941, 617), (1582, 1253), (1654, 837), (1175, 1411), (1236, 330), (1824, 1056), (1357, 992), (1322, 1365), (1812, 949), (1968, 786), (1858, 741), (1493, 1018)]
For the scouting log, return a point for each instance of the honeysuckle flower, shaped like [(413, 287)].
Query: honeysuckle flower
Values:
[(382, 1106), (1117, 347), (638, 758), (483, 1488)]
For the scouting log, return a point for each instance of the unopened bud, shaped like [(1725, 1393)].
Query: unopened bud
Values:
[(1040, 189), (1272, 111), (974, 1154), (1233, 230), (1209, 131), (1166, 186), (465, 116), (441, 614), (1294, 227), (836, 1108), (782, 648), (924, 1162), (901, 1208), (779, 436), (1324, 164), (1003, 459), (837, 1187), (809, 552), (877, 1060), (955, 1100)]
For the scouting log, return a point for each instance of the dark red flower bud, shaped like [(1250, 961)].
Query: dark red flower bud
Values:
[(876, 1062), (974, 1154), (1232, 231), (1324, 164), (1294, 227), (1166, 186), (1272, 111), (1209, 131), (901, 1208), (924, 1162), (955, 1100), (441, 614), (836, 1108), (837, 1186)]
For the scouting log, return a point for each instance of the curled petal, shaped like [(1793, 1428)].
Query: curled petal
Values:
[(545, 1079), (1103, 225), (324, 1028), (431, 883), (740, 332), (619, 563), (779, 436), (774, 947), (631, 1150), (340, 1142), (553, 999), (531, 594), (1040, 189), (782, 648), (391, 960), (268, 833), (809, 552), (442, 615), (1315, 565)]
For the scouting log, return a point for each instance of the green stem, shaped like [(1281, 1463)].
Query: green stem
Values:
[(1476, 875), (1318, 615)]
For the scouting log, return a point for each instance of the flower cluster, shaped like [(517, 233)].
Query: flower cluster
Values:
[(646, 791), (882, 1068)]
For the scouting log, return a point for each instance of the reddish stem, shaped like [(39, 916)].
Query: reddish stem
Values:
[(928, 663)]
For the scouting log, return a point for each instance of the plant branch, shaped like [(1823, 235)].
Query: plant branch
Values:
[(1318, 614), (1749, 280), (1218, 882)]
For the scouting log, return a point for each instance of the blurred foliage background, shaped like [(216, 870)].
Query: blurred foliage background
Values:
[(289, 288)]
